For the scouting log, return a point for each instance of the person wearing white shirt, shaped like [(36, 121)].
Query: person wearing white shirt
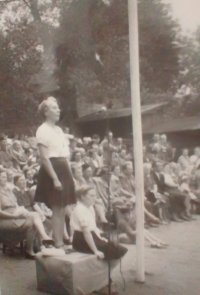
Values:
[(55, 186), (87, 238)]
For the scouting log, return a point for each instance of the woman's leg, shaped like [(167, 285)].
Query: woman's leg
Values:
[(58, 221), (65, 234), (187, 205), (30, 235), (37, 223), (99, 209), (152, 238)]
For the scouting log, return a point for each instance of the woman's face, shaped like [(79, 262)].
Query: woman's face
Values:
[(10, 175), (88, 173), (147, 170), (53, 112), (167, 169), (94, 155), (29, 175), (90, 198), (3, 179), (116, 171), (185, 152), (78, 174), (17, 146), (78, 157), (21, 183)]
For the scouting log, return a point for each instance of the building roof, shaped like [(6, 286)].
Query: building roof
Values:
[(175, 125), (117, 113)]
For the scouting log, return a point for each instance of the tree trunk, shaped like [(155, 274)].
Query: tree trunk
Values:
[(45, 78)]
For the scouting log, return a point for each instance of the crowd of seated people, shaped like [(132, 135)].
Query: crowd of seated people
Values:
[(171, 186)]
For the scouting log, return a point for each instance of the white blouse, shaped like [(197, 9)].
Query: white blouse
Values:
[(83, 216), (53, 138)]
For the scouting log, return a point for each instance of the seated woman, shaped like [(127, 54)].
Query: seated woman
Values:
[(23, 196), (76, 159), (94, 162), (98, 206), (77, 176), (184, 160), (87, 237), (17, 223), (10, 182), (29, 178), (18, 155), (127, 227)]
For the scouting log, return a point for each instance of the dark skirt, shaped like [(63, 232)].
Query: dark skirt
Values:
[(45, 191), (110, 250)]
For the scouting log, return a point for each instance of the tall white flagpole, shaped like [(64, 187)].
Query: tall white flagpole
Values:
[(137, 137)]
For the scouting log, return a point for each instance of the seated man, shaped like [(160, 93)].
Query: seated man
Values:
[(17, 223), (179, 202), (127, 182), (159, 202)]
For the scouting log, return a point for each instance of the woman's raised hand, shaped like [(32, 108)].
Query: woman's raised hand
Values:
[(99, 255), (57, 184)]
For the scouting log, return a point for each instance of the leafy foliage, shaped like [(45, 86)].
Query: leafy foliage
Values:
[(85, 50)]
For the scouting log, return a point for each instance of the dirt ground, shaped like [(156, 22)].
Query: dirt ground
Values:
[(171, 271)]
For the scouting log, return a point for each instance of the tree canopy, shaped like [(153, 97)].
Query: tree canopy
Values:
[(79, 51)]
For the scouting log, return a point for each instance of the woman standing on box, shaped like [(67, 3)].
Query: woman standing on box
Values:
[(55, 186), (87, 238)]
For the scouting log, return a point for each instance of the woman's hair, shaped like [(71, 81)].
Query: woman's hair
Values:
[(104, 171), (96, 136), (114, 166), (91, 152), (74, 155), (184, 149), (74, 168), (43, 107), (126, 164), (16, 178), (16, 142), (83, 190), (146, 166)]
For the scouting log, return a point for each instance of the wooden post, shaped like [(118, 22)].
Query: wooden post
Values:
[(137, 137)]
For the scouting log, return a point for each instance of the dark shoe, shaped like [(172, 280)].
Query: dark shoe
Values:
[(185, 218), (48, 243), (67, 242), (176, 219), (157, 246), (152, 224), (29, 256)]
